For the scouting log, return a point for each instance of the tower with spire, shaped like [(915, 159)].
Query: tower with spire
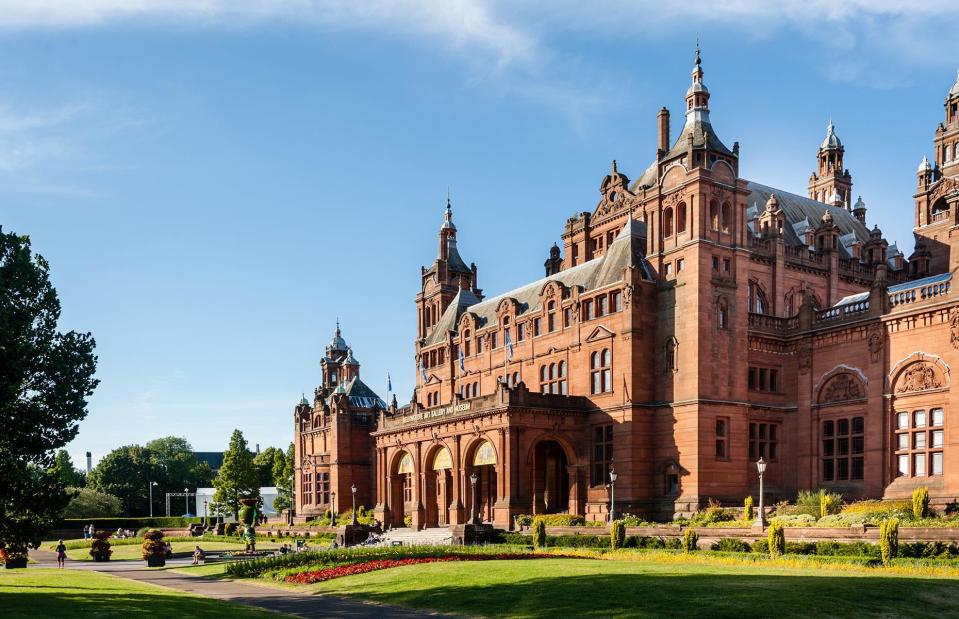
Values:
[(831, 182), (444, 278)]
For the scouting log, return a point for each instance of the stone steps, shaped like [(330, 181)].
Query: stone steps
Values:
[(412, 537)]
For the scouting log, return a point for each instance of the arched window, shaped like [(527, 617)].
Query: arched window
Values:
[(723, 314), (476, 390), (600, 371), (789, 303), (551, 316), (757, 299), (713, 215), (562, 378), (681, 218), (726, 219), (668, 222), (506, 334), (466, 343)]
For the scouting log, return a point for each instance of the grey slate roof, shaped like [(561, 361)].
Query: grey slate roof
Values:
[(801, 212), (454, 260), (697, 124), (359, 395), (627, 249), (648, 178)]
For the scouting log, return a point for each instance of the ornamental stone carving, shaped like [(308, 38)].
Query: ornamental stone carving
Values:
[(954, 327), (919, 377), (875, 342), (805, 358), (840, 388)]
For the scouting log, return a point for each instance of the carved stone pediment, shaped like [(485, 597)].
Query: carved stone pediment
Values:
[(919, 376), (840, 388)]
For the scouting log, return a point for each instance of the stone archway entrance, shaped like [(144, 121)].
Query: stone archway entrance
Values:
[(439, 488), (401, 489), (482, 498), (550, 479)]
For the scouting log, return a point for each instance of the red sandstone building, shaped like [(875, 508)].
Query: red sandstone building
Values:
[(691, 323)]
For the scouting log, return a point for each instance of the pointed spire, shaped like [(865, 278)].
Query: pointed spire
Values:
[(924, 165), (448, 214)]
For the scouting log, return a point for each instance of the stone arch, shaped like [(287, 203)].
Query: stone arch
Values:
[(482, 460), (919, 372), (438, 478), (840, 384), (723, 174), (571, 454)]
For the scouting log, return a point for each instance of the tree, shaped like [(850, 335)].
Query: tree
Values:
[(283, 478), (263, 462), (237, 477), (45, 380), (64, 469), (88, 503), (176, 466), (126, 473)]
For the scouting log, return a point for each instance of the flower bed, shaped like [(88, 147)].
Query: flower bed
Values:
[(351, 569)]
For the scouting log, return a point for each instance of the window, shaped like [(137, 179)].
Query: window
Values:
[(616, 301), (600, 371), (843, 446), (601, 306), (668, 222), (492, 340), (466, 343), (323, 488), (552, 378), (757, 299), (670, 356), (479, 344), (920, 438), (726, 220), (567, 317), (722, 436), (764, 379), (407, 487), (715, 263), (306, 487), (602, 454), (521, 332), (680, 264), (725, 265), (681, 218), (537, 327), (506, 333), (723, 314), (672, 483), (551, 316), (668, 269), (588, 309), (763, 441)]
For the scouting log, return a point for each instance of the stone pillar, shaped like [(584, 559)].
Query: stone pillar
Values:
[(456, 508)]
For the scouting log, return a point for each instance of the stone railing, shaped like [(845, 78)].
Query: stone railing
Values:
[(801, 253), (904, 295), (843, 311), (853, 268), (763, 322)]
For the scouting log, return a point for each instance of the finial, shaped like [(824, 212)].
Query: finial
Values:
[(337, 326), (698, 59), (614, 167)]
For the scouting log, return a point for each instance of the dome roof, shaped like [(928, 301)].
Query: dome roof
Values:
[(859, 204), (831, 140), (350, 359), (924, 165), (304, 401), (337, 342), (955, 87)]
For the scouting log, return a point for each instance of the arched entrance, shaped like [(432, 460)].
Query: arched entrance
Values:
[(482, 494), (401, 488), (550, 483), (439, 485)]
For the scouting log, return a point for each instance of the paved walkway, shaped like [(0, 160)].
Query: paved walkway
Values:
[(300, 604)]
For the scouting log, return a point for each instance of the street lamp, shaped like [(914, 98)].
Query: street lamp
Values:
[(332, 509), (612, 493), (186, 499), (761, 468), (206, 514), (150, 486), (353, 490), (474, 516), (292, 499)]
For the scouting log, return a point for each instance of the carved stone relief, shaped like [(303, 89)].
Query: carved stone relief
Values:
[(919, 377)]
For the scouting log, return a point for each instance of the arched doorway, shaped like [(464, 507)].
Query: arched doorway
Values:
[(482, 495), (401, 488), (550, 484), (439, 485)]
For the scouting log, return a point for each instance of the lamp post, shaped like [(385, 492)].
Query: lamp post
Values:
[(150, 486), (206, 513), (353, 490), (612, 493), (332, 509), (292, 499), (761, 468), (186, 499), (474, 516)]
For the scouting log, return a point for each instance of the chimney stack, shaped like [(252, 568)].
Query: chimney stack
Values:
[(663, 119), (89, 462)]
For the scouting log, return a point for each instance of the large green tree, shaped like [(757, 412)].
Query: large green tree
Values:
[(45, 379), (283, 478), (126, 473), (88, 503), (177, 467), (263, 462), (64, 469), (237, 477)]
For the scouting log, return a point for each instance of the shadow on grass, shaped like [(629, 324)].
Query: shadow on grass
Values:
[(115, 604), (678, 595)]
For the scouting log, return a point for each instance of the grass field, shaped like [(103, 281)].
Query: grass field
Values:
[(589, 587), (80, 593)]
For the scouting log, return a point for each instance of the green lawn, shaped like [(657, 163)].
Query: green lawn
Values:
[(591, 587), (79, 593)]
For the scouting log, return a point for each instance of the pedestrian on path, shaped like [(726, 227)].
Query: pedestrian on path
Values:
[(61, 554)]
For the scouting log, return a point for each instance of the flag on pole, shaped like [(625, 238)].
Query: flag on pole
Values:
[(423, 369), (462, 361), (509, 348), (389, 383)]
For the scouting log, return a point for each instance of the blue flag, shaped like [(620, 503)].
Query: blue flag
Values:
[(462, 361), (389, 383), (509, 347), (423, 369)]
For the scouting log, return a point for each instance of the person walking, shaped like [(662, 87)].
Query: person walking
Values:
[(61, 554), (93, 530)]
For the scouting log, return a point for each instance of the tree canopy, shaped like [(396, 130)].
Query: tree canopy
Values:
[(283, 478), (64, 469), (263, 462), (238, 476), (46, 378), (88, 503)]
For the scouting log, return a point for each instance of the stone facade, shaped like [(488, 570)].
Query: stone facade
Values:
[(689, 324)]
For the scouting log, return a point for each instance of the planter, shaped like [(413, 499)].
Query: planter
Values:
[(156, 561), (16, 564), (100, 559)]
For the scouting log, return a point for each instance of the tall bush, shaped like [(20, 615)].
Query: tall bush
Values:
[(539, 533), (748, 509), (829, 503), (776, 539), (617, 534), (690, 540), (920, 502), (889, 540)]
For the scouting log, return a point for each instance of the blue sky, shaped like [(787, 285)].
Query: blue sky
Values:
[(215, 181)]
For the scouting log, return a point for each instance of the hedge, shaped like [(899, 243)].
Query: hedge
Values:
[(109, 524)]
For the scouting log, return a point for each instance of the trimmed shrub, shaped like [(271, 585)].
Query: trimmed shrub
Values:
[(920, 502), (731, 544), (748, 509), (673, 543), (690, 541), (112, 524), (539, 533), (563, 520), (928, 550), (153, 545), (776, 539), (760, 546), (712, 514), (523, 520), (889, 540), (829, 503), (847, 549), (617, 534)]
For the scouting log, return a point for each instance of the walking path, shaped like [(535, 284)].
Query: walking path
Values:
[(298, 603)]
